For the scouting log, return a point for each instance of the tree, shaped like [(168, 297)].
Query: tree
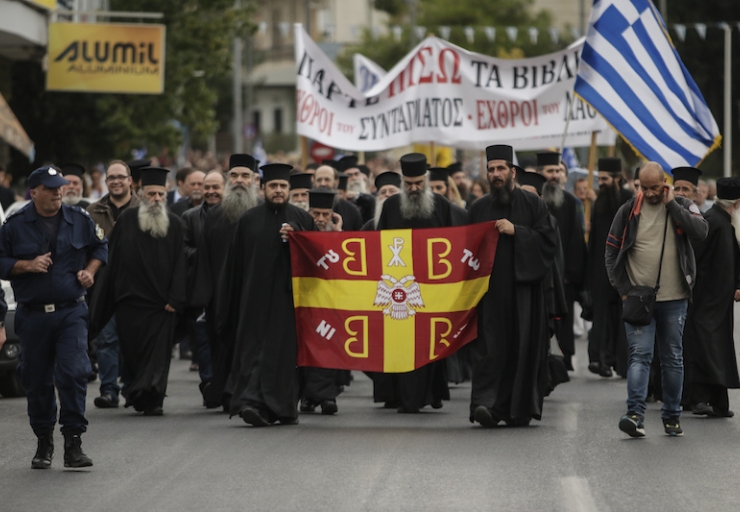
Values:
[(93, 127)]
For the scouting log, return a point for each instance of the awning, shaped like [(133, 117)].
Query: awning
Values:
[(12, 132)]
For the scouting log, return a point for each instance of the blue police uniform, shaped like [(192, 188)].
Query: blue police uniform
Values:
[(52, 316)]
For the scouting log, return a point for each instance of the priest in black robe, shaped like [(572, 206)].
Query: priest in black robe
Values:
[(415, 207), (709, 347), (327, 177), (607, 341), (510, 354), (257, 304), (144, 285), (566, 208), (218, 231)]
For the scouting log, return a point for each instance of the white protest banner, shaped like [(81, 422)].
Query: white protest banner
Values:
[(442, 93), (367, 72)]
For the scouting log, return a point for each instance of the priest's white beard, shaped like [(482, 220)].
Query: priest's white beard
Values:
[(71, 200), (358, 186), (419, 205), (303, 205), (237, 200), (736, 224), (378, 209), (153, 219), (553, 194)]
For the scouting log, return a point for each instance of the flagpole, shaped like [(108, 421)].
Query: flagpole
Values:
[(571, 100), (304, 152), (727, 142), (361, 157), (591, 167)]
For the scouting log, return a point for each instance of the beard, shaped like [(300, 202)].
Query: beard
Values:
[(501, 196), (358, 186), (736, 224), (419, 205), (378, 209), (607, 201), (303, 205), (71, 200), (237, 200), (553, 195), (153, 219)]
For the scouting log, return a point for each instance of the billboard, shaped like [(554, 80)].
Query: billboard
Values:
[(106, 57)]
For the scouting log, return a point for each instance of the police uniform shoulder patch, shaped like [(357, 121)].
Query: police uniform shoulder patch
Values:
[(99, 232)]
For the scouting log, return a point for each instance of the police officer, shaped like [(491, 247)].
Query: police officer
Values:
[(50, 252)]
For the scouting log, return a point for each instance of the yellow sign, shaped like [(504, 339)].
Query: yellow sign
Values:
[(49, 4), (104, 57)]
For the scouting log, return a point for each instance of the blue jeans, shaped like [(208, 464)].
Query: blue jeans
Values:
[(668, 321), (108, 355)]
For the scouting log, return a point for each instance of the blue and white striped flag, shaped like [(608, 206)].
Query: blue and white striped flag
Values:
[(632, 75)]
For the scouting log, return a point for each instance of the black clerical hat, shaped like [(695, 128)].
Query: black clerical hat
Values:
[(321, 198), (347, 162), (275, 172), (136, 166), (455, 167), (332, 163), (342, 181), (500, 152), (364, 169), (243, 160), (439, 174), (154, 176), (414, 164), (532, 179), (548, 158), (611, 165), (301, 180), (689, 174), (71, 168), (728, 188), (387, 178)]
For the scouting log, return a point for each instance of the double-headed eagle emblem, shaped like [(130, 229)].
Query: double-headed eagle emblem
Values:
[(398, 299)]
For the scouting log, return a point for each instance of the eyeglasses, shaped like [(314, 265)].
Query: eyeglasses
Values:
[(117, 178)]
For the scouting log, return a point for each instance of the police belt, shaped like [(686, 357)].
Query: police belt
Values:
[(50, 308)]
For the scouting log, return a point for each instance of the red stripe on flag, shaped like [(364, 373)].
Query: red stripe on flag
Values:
[(451, 331), (351, 255)]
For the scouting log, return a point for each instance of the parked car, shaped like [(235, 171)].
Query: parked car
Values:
[(10, 384)]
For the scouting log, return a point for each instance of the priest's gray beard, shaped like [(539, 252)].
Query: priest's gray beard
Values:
[(153, 219), (553, 195), (237, 200), (358, 186), (71, 200), (736, 224), (303, 205), (417, 205)]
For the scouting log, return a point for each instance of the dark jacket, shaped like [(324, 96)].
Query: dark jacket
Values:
[(101, 212), (687, 223)]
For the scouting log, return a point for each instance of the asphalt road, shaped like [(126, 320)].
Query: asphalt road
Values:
[(367, 458)]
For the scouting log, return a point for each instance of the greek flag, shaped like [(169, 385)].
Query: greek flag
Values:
[(632, 75)]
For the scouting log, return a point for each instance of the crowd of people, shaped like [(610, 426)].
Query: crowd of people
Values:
[(120, 280)]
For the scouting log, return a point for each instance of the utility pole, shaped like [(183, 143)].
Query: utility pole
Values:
[(727, 139), (238, 107)]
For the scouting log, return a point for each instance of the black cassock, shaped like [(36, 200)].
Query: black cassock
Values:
[(256, 302), (709, 349), (570, 224), (143, 275), (351, 217), (428, 384), (216, 238), (510, 354)]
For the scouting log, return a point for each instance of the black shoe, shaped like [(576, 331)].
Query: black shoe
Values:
[(408, 410), (632, 425), (703, 409), (485, 417), (594, 368), (723, 414), (307, 405), (74, 457), (672, 427), (155, 410), (329, 407), (390, 404), (519, 422), (288, 421), (437, 405), (253, 417), (605, 371), (106, 401), (568, 363), (44, 451)]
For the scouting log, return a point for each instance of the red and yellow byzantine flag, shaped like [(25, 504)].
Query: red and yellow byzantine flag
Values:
[(388, 301)]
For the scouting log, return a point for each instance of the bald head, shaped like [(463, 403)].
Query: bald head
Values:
[(652, 171), (325, 176), (652, 183)]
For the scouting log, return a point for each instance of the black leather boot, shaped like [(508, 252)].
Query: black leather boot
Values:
[(74, 457), (44, 451)]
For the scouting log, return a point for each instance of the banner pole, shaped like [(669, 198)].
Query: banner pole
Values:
[(433, 151), (591, 167), (611, 151), (304, 152), (361, 157), (571, 101)]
